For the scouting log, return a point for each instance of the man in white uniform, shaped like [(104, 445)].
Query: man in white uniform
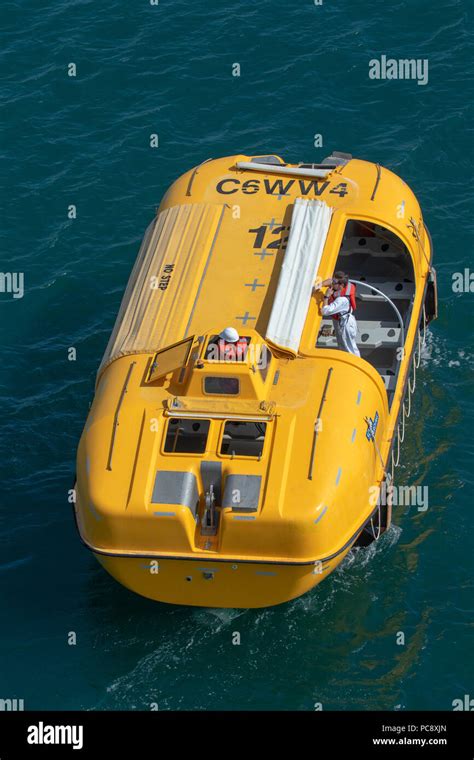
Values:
[(337, 304)]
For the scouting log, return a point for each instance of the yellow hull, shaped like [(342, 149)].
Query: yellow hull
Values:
[(244, 483), (216, 584)]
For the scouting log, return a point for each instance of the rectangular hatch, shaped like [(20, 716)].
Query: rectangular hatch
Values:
[(170, 358)]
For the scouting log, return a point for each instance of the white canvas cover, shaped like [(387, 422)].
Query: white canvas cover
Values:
[(150, 318), (309, 229)]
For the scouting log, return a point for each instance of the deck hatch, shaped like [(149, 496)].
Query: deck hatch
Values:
[(175, 487), (170, 359), (242, 492)]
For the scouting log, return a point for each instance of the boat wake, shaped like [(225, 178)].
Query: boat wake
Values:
[(363, 557), (438, 352), (215, 618), (358, 567)]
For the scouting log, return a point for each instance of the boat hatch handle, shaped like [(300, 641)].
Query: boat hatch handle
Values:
[(116, 416), (317, 423), (210, 415), (295, 170), (384, 295)]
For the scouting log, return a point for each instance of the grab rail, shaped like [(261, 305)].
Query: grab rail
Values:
[(211, 415), (191, 179), (316, 424), (384, 295), (272, 169), (116, 416)]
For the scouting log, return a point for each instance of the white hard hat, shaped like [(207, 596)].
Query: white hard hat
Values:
[(230, 335)]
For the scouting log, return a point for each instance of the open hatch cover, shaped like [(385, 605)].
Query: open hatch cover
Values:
[(170, 358)]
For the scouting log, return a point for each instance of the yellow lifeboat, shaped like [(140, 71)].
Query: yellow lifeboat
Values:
[(239, 473)]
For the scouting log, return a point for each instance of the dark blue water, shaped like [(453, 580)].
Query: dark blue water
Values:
[(84, 141)]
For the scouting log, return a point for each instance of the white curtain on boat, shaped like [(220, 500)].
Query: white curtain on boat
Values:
[(309, 229)]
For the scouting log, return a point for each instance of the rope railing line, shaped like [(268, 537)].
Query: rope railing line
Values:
[(408, 396), (410, 387), (406, 408), (379, 527), (402, 436), (392, 474), (417, 363), (398, 451), (416, 234)]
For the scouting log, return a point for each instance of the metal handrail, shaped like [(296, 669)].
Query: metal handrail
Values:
[(384, 295), (196, 169), (297, 171), (316, 424), (211, 415), (116, 416)]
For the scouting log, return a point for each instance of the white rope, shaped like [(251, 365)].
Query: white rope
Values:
[(395, 464), (405, 413), (417, 363), (409, 402), (379, 528), (410, 388), (401, 438)]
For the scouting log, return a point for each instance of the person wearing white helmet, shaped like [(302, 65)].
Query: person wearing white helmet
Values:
[(230, 335), (231, 346)]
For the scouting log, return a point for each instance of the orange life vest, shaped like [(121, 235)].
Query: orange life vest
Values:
[(348, 292)]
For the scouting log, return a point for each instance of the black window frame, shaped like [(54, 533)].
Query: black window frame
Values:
[(231, 455), (219, 393), (169, 430)]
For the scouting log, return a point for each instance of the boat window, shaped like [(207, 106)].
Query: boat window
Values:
[(244, 439), (186, 436), (226, 386)]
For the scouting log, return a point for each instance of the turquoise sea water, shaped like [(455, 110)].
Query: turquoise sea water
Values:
[(84, 140)]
